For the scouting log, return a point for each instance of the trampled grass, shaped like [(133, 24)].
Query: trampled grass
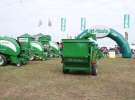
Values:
[(44, 80)]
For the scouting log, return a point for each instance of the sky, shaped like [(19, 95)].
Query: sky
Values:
[(31, 16)]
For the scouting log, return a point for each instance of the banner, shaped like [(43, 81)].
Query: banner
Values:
[(63, 24), (83, 23), (126, 21)]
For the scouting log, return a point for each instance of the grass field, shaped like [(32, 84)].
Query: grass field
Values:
[(45, 81)]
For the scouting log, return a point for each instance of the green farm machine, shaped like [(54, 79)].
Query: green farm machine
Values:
[(37, 51), (36, 48), (20, 51), (50, 47), (14, 51), (54, 50), (80, 55), (44, 39)]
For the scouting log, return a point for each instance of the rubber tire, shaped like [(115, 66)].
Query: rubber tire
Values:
[(32, 58), (94, 70), (4, 59), (51, 56), (18, 65)]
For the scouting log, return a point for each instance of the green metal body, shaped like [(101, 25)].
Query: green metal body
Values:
[(9, 46), (44, 39), (37, 50), (14, 51), (78, 55), (50, 47), (24, 41), (54, 50), (114, 35)]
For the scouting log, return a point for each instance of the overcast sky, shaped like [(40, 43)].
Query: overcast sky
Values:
[(31, 16)]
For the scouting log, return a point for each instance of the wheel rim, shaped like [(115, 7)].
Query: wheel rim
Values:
[(32, 58), (18, 65), (1, 61), (51, 55)]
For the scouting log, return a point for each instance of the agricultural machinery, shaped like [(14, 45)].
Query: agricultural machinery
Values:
[(50, 47), (80, 55), (44, 39), (37, 51), (14, 51), (54, 50), (36, 48)]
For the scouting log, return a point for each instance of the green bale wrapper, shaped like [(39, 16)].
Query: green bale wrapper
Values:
[(54, 50), (36, 48), (44, 40), (51, 48), (37, 51), (14, 51)]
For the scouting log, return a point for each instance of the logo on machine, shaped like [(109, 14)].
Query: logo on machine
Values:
[(36, 45), (100, 31), (23, 39), (8, 44)]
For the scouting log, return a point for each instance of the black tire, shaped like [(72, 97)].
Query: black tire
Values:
[(94, 70), (3, 60)]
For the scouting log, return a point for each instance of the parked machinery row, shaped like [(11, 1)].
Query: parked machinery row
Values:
[(25, 48), (78, 55)]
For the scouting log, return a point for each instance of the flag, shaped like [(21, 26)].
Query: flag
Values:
[(83, 23), (126, 21), (63, 24)]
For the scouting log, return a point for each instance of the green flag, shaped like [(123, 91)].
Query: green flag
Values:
[(126, 21), (63, 24), (83, 23)]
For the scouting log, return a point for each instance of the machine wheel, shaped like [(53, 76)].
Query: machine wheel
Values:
[(43, 59), (94, 70), (51, 56), (3, 60), (32, 58), (18, 65)]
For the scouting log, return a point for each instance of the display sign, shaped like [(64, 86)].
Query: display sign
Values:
[(100, 31), (63, 24), (23, 39), (126, 21), (83, 23)]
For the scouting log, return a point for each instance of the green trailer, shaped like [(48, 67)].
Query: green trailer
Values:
[(80, 55), (14, 51)]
